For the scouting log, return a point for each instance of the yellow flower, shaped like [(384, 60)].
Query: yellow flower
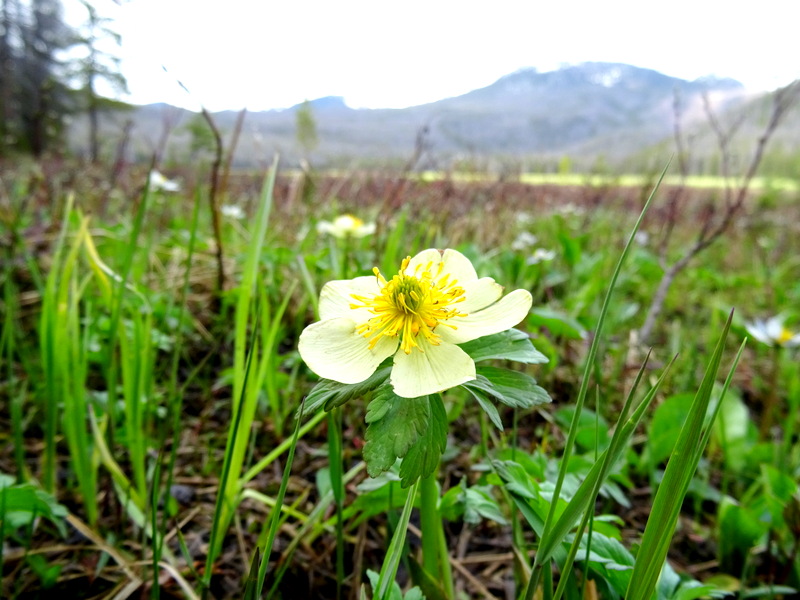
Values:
[(433, 303), (346, 226)]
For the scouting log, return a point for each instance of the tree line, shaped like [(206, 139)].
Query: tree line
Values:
[(49, 72)]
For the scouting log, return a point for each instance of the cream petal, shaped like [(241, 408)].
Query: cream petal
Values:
[(506, 313), (333, 350), (479, 294), (435, 369), (430, 256), (457, 266), (773, 327), (758, 330), (337, 296)]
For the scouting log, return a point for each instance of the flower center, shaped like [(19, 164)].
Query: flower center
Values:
[(410, 305), (785, 336)]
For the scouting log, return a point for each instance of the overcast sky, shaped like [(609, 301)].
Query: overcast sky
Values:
[(262, 54)]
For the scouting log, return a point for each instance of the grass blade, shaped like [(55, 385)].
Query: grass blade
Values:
[(677, 476)]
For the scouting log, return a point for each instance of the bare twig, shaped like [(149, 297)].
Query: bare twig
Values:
[(782, 100), (237, 130), (170, 116), (213, 201), (682, 149)]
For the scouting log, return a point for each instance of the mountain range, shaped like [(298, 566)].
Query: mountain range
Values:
[(608, 112)]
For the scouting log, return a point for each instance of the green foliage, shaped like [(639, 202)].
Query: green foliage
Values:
[(22, 503), (330, 394), (509, 345), (473, 504), (395, 593), (414, 428)]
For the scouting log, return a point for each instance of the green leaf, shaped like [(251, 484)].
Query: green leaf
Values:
[(695, 590), (473, 503), (559, 324), (251, 585), (394, 424), (571, 248), (734, 432), (423, 456), (514, 389), (478, 505), (395, 593), (666, 426), (516, 479), (21, 503), (592, 428), (486, 404), (739, 530), (48, 574), (769, 591), (331, 394), (508, 345), (610, 558), (672, 587)]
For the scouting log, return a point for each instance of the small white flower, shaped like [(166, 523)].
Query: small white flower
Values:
[(524, 218), (642, 238), (161, 184), (232, 211), (540, 255), (524, 240), (772, 332), (345, 226), (571, 209), (435, 302)]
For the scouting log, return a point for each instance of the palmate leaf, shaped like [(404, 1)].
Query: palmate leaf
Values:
[(508, 345), (414, 429), (485, 401), (394, 424), (514, 389), (473, 503), (423, 456), (330, 394)]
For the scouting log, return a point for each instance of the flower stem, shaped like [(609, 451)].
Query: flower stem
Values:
[(337, 486), (771, 399), (429, 517), (434, 546)]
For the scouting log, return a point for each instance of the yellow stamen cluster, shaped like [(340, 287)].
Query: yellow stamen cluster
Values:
[(410, 305), (785, 336)]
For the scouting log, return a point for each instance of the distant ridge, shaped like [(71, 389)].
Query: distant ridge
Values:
[(587, 111)]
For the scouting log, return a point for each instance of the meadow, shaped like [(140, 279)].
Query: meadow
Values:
[(162, 437)]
